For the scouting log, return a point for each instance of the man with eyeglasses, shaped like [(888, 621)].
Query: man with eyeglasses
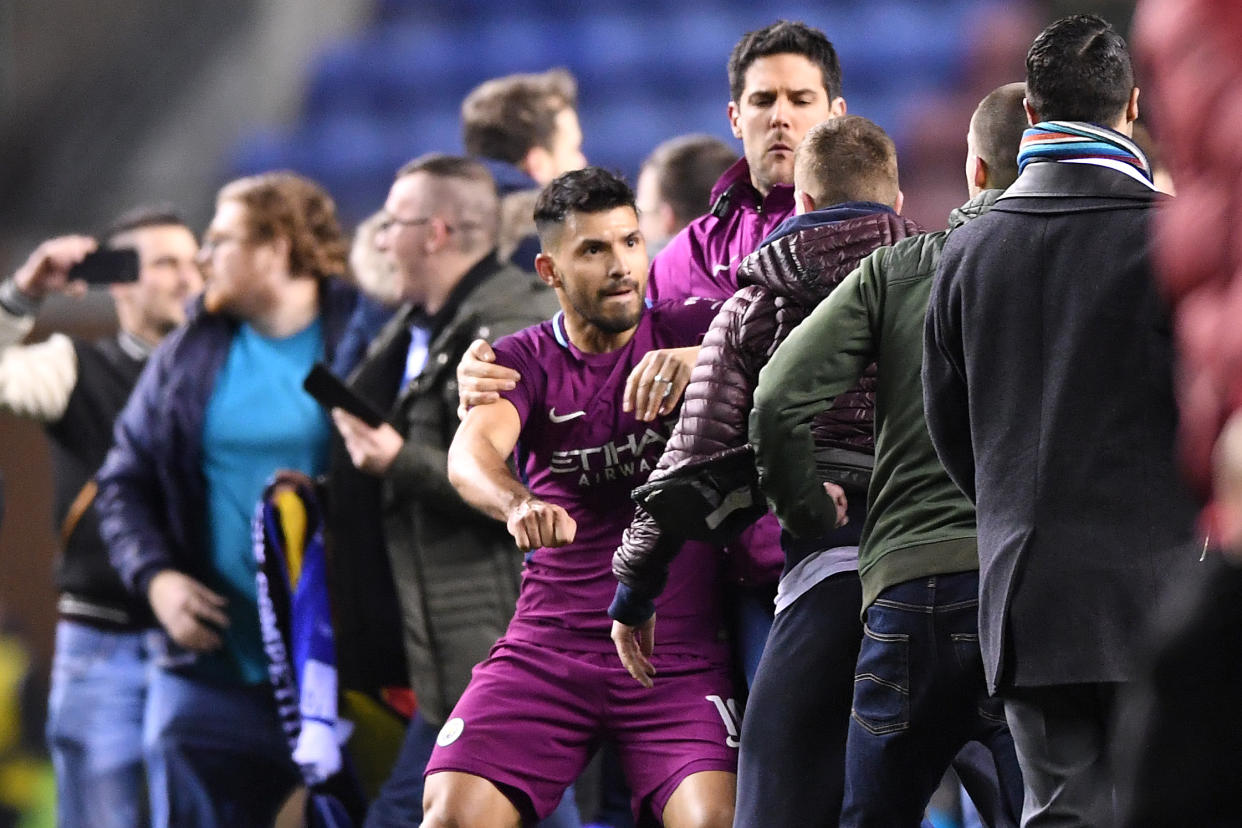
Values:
[(456, 570)]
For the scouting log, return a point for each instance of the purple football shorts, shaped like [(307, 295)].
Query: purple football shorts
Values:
[(533, 715)]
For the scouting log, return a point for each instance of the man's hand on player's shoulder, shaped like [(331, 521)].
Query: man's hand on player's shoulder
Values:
[(535, 523), (657, 382), (479, 379), (635, 645)]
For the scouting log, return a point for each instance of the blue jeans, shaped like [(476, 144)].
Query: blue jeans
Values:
[(216, 753), (94, 726), (919, 696), (400, 800)]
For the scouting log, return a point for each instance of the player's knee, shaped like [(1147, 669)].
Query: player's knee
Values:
[(460, 801), (440, 808), (442, 814), (705, 813)]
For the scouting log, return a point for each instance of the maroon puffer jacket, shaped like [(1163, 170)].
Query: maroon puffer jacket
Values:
[(705, 486)]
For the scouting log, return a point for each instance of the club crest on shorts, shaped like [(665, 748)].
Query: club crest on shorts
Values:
[(450, 732)]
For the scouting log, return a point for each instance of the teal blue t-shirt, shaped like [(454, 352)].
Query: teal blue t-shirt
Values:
[(259, 420)]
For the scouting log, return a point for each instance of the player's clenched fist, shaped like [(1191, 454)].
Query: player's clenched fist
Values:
[(534, 523)]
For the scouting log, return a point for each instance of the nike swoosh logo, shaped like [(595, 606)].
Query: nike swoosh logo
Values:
[(564, 418), (720, 268)]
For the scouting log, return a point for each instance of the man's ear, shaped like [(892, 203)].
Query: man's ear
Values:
[(668, 219), (734, 114), (899, 203), (980, 174), (440, 236), (1032, 117), (806, 201), (837, 108), (546, 270), (1132, 110), (276, 251), (538, 164), (121, 291)]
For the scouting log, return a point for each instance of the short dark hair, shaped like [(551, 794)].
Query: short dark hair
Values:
[(147, 215), (589, 190), (1079, 69), (998, 124), (504, 118), (785, 37), (847, 159), (443, 165), (686, 168)]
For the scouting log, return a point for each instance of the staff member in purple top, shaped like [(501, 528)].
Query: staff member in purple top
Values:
[(784, 79), (552, 686)]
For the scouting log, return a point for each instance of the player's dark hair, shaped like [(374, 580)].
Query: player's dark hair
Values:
[(1079, 69), (785, 37), (589, 190)]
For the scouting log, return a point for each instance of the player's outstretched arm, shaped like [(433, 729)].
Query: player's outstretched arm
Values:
[(477, 468)]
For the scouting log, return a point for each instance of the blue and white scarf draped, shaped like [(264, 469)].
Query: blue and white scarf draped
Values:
[(297, 624), (1081, 142)]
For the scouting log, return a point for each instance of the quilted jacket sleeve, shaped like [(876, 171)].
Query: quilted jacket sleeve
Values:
[(710, 436)]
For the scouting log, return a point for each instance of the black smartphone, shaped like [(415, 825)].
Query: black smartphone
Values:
[(328, 390), (107, 267)]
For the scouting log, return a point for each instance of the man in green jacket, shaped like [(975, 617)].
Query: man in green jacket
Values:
[(919, 693)]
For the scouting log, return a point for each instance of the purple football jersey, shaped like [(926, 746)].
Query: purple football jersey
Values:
[(580, 451)]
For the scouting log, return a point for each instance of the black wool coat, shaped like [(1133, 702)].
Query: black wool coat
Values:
[(1048, 385)]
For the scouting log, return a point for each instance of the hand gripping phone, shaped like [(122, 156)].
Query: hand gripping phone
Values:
[(328, 390), (107, 267)]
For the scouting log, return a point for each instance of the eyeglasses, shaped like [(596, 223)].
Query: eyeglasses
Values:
[(386, 224), (211, 242), (388, 221)]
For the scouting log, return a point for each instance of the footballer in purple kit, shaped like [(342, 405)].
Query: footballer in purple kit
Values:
[(553, 686)]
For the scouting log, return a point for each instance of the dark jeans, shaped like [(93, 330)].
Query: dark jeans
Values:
[(919, 696), (791, 764)]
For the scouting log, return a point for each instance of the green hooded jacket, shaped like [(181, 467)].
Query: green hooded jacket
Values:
[(918, 522)]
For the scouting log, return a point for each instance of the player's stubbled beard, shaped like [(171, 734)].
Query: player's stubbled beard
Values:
[(615, 320)]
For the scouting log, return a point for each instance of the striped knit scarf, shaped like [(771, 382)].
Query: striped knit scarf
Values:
[(1068, 140)]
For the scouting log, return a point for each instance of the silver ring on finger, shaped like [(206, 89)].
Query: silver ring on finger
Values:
[(668, 389)]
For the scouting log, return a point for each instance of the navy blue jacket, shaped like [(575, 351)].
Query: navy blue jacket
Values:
[(152, 500)]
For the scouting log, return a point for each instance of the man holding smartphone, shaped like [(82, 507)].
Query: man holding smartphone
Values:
[(76, 389), (456, 570)]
